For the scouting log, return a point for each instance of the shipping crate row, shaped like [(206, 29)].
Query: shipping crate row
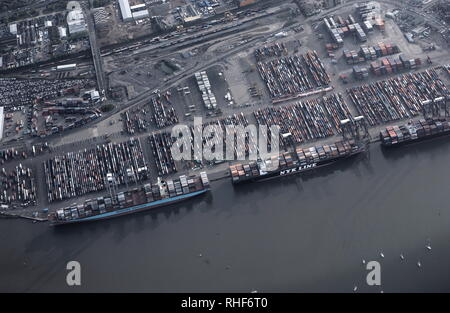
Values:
[(397, 98), (293, 75)]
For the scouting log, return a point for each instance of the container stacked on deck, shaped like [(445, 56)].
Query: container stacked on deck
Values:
[(293, 162), (239, 171), (133, 199), (414, 131)]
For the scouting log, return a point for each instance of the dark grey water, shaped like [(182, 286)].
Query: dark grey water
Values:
[(302, 234)]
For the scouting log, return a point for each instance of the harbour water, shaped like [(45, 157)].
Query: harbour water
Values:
[(296, 234)]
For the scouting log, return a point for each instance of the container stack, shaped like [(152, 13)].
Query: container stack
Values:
[(368, 53), (367, 25), (352, 57), (331, 47), (360, 33), (391, 65), (336, 32), (360, 73), (240, 171), (396, 135), (366, 11), (379, 24), (410, 63), (209, 99)]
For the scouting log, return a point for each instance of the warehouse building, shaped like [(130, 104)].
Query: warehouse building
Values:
[(13, 29), (62, 32), (66, 67), (139, 11), (76, 22), (139, 15), (125, 10)]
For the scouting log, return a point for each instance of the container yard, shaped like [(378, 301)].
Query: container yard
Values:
[(294, 76), (220, 127), (90, 122), (306, 120), (369, 20), (17, 187), (157, 113), (246, 87), (163, 112), (79, 173), (397, 98), (20, 92), (161, 144), (367, 53), (14, 154)]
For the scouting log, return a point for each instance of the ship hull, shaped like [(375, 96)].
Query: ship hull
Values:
[(297, 169), (133, 209)]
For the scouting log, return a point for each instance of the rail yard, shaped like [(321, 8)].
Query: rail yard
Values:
[(68, 137)]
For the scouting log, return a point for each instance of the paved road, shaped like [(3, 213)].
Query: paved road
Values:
[(98, 63)]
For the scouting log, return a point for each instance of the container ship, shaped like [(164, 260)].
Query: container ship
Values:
[(147, 197), (290, 163), (412, 132)]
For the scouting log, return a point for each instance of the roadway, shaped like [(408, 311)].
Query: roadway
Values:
[(96, 56)]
